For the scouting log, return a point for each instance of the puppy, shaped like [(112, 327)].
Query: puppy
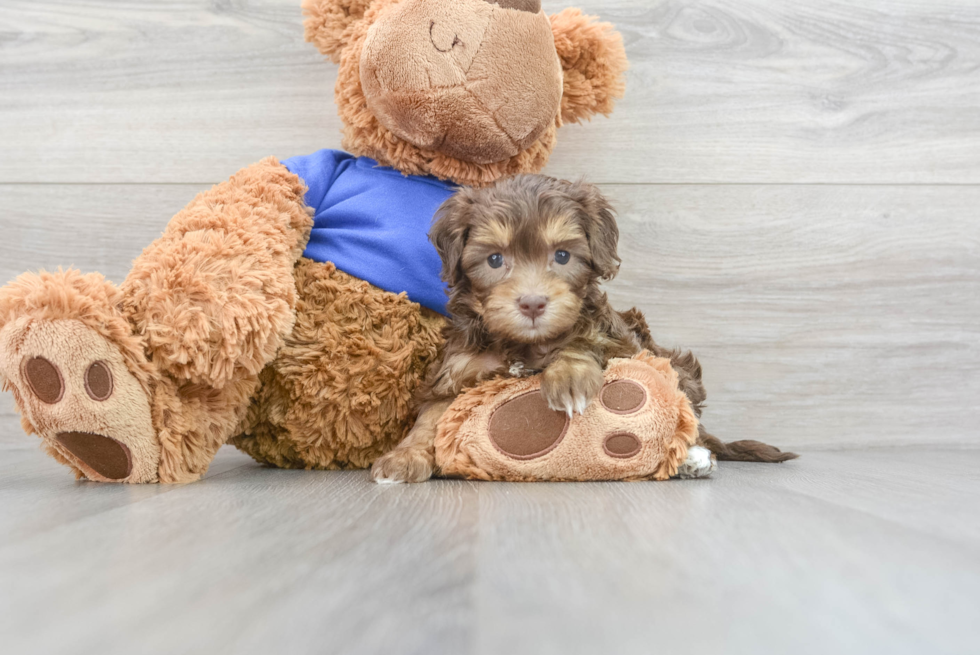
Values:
[(524, 260)]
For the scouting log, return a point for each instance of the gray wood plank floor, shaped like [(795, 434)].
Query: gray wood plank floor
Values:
[(875, 551), (799, 196)]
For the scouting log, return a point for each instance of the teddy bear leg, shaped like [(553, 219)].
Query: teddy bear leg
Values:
[(340, 392), (215, 299), (79, 377), (640, 427), (145, 382), (214, 295)]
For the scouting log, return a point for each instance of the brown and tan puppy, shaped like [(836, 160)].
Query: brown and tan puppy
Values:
[(524, 260)]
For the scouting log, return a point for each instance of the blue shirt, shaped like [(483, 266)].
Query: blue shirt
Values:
[(373, 223)]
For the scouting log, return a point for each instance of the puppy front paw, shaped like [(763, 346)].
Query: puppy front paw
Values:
[(570, 384), (403, 465)]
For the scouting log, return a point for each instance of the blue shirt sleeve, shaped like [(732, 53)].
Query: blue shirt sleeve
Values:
[(318, 171)]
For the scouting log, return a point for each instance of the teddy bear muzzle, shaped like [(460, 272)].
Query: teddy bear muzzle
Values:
[(476, 80)]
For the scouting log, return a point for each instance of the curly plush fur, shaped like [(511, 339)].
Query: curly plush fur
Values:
[(340, 392)]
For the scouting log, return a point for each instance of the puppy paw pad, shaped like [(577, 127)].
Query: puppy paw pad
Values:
[(526, 428), (622, 445), (623, 397), (44, 380)]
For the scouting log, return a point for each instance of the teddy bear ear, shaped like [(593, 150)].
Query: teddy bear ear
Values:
[(327, 23), (594, 61)]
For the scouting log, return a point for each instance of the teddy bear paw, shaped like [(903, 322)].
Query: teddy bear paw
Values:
[(640, 426), (73, 386)]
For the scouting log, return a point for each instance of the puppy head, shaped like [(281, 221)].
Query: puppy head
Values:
[(524, 254)]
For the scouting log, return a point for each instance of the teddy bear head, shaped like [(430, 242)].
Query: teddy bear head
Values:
[(466, 90)]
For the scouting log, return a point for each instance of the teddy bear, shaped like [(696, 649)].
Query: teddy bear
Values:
[(293, 310)]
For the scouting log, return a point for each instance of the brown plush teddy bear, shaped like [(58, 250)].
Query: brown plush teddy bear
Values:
[(293, 309)]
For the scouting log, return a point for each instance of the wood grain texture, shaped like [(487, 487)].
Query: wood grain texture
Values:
[(31, 509), (892, 485), (256, 560), (719, 91), (822, 315), (729, 565), (833, 316), (247, 561)]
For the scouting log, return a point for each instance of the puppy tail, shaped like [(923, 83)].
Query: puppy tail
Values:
[(742, 451)]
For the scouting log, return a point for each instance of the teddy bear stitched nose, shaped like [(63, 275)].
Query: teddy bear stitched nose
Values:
[(531, 6)]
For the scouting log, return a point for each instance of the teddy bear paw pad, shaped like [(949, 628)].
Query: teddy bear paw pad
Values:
[(639, 427), (623, 397), (526, 428), (74, 387), (109, 458), (622, 445)]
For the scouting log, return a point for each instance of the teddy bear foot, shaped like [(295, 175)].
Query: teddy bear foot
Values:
[(74, 389), (699, 464), (640, 427)]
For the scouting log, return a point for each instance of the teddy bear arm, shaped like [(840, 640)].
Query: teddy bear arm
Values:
[(214, 295)]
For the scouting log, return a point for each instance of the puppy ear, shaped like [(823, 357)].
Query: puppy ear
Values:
[(600, 228), (327, 23), (594, 61), (450, 228)]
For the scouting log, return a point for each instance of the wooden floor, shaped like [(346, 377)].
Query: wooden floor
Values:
[(798, 186), (876, 551)]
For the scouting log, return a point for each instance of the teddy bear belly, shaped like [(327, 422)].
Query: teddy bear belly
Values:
[(339, 393)]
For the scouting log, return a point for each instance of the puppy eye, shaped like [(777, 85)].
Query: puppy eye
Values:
[(496, 260), (562, 257)]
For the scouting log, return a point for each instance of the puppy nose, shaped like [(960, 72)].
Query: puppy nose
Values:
[(532, 306)]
